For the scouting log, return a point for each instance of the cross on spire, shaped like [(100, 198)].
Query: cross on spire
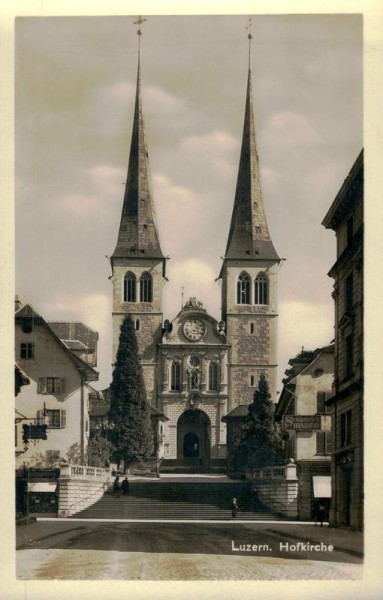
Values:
[(139, 22), (249, 36)]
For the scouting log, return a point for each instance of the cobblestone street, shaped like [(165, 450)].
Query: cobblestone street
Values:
[(95, 564)]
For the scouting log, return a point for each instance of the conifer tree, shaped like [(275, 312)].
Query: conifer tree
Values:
[(260, 441), (129, 409)]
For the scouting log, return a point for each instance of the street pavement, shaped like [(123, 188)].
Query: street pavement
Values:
[(84, 550)]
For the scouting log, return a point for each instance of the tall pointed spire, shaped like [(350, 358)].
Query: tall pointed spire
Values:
[(249, 234), (138, 236)]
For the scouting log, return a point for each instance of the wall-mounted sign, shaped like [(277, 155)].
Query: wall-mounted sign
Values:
[(302, 422), (34, 432)]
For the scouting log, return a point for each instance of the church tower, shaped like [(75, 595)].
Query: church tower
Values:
[(138, 264), (249, 277)]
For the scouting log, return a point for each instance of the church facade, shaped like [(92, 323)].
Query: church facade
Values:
[(197, 369)]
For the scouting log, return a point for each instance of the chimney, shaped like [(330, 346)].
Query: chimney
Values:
[(18, 303)]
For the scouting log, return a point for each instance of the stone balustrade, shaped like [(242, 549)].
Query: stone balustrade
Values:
[(80, 486), (277, 488)]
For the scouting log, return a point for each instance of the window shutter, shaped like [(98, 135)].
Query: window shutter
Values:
[(42, 385), (40, 417), (61, 385), (321, 397), (63, 418), (320, 442), (328, 442)]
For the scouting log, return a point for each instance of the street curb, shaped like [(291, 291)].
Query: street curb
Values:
[(355, 553)]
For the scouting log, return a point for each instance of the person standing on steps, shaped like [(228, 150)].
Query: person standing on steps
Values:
[(125, 487), (234, 507), (116, 486)]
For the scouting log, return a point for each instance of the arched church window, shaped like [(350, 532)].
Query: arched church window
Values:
[(130, 287), (261, 290), (213, 377), (146, 288), (175, 377), (243, 289)]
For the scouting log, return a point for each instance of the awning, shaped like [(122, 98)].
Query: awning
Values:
[(322, 486), (42, 486)]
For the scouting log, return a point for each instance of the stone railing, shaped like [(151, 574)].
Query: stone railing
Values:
[(80, 486), (277, 488)]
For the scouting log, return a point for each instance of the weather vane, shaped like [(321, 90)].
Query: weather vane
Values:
[(249, 36), (139, 22)]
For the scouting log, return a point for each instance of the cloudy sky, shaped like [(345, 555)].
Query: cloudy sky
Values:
[(75, 86)]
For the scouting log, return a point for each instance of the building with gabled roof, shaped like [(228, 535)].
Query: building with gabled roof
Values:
[(57, 394)]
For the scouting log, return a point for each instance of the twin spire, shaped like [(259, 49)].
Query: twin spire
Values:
[(249, 236)]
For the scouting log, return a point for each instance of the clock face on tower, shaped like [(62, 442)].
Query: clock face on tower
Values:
[(194, 329)]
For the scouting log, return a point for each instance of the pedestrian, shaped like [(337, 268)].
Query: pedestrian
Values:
[(116, 486), (234, 508), (320, 514), (125, 487)]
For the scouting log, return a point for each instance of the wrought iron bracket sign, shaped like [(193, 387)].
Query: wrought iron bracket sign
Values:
[(34, 432)]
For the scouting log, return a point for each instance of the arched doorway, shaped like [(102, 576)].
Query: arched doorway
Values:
[(193, 437)]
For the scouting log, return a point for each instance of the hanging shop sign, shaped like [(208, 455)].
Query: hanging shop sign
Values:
[(34, 432), (302, 422)]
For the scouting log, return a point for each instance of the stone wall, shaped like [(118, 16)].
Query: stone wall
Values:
[(80, 487)]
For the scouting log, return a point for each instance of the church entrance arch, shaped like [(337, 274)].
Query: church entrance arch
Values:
[(193, 437)]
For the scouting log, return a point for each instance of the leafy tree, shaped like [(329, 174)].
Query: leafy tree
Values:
[(99, 450), (260, 442), (129, 409)]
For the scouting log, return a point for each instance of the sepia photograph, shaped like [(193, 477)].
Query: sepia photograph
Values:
[(189, 297)]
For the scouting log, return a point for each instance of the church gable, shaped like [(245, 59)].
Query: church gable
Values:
[(193, 325)]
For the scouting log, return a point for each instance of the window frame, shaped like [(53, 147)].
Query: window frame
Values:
[(146, 287), (213, 376), (27, 348), (243, 289), (175, 376), (261, 289), (130, 287)]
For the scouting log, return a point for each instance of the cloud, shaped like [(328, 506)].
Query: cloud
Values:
[(289, 128), (173, 200), (305, 324), (214, 150), (78, 204), (160, 101), (108, 180)]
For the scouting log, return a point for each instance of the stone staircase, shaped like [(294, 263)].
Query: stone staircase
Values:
[(174, 500)]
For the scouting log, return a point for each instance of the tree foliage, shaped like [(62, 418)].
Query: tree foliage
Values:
[(259, 444), (99, 450), (129, 409)]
